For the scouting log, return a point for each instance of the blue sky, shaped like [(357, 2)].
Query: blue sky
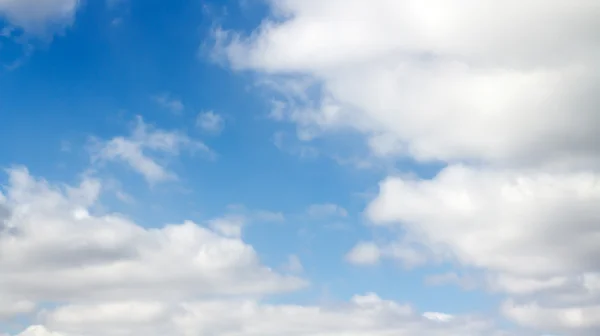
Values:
[(97, 77), (349, 147)]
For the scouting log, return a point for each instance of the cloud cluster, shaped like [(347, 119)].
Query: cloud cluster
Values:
[(53, 249), (502, 92), (74, 272)]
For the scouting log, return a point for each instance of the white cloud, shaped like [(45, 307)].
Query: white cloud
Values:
[(326, 210), (366, 315), (39, 16), (370, 253), (505, 221), (532, 232), (38, 330), (210, 122), (53, 249), (167, 102), (503, 92), (439, 317), (583, 320), (104, 275), (364, 253), (516, 88), (229, 226), (142, 149), (12, 307)]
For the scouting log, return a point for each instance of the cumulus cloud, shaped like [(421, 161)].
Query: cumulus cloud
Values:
[(502, 92), (39, 16), (584, 320), (11, 306), (57, 250), (506, 221), (105, 275), (513, 83), (363, 315), (532, 232), (142, 149)]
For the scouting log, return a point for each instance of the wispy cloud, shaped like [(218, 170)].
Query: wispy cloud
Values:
[(168, 102), (143, 148), (326, 210), (210, 122)]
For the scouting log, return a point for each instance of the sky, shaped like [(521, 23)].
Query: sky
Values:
[(299, 167)]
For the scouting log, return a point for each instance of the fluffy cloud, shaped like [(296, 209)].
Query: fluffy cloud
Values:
[(53, 249), (503, 82), (80, 273), (38, 16), (140, 150), (502, 92), (584, 319), (509, 222), (362, 316), (532, 232)]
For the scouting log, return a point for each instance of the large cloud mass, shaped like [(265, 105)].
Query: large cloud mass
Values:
[(52, 249), (503, 92), (79, 273), (508, 82)]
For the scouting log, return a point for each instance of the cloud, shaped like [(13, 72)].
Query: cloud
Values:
[(229, 226), (582, 319), (532, 232), (103, 274), (11, 307), (514, 88), (58, 250), (210, 122), (441, 317), (370, 253), (269, 216), (143, 147), (294, 265), (326, 210), (505, 221), (167, 102), (293, 147), (502, 93), (363, 315), (452, 278), (39, 16), (365, 253), (38, 331)]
